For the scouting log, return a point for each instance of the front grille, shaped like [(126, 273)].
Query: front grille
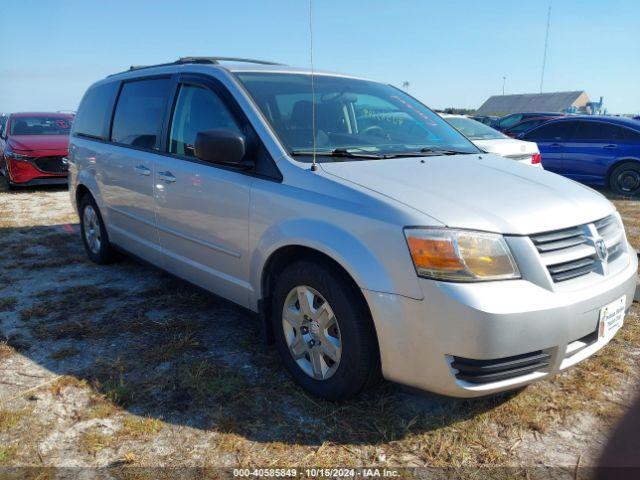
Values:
[(494, 370), (570, 253), (51, 164)]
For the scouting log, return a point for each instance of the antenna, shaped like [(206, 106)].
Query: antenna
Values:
[(314, 165), (546, 42)]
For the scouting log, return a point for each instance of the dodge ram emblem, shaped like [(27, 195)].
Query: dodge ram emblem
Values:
[(601, 250)]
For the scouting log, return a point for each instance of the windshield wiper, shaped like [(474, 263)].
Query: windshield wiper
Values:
[(339, 152), (443, 151)]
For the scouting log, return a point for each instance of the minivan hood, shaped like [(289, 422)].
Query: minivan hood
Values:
[(480, 192), (39, 142)]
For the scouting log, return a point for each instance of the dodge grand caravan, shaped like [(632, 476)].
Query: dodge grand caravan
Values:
[(369, 235)]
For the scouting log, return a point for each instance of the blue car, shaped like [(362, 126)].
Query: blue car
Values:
[(596, 150)]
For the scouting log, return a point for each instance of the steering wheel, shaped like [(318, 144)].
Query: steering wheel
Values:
[(376, 131)]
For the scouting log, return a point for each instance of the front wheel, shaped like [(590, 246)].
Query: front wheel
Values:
[(94, 233), (625, 179), (324, 332)]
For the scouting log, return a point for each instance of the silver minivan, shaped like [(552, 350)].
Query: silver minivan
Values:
[(371, 237)]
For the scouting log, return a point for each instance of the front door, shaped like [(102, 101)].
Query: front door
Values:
[(202, 209), (594, 149)]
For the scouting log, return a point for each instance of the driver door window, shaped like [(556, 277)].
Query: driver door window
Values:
[(197, 109)]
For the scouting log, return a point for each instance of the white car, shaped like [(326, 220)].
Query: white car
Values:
[(493, 141)]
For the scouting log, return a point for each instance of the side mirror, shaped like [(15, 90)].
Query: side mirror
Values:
[(222, 146)]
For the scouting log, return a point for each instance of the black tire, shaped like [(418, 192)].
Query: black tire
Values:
[(105, 253), (625, 179), (359, 365)]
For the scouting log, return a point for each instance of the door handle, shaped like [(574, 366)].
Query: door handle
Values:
[(555, 145), (166, 177), (142, 170), (611, 146)]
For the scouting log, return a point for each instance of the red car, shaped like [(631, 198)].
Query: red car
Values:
[(33, 147)]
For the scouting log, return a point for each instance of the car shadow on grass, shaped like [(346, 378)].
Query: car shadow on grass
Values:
[(156, 346)]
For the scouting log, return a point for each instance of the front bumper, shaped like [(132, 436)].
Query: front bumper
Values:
[(492, 320), (25, 173)]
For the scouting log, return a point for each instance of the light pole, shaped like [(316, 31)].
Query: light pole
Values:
[(504, 80)]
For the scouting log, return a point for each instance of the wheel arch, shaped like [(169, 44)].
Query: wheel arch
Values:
[(286, 255), (619, 162)]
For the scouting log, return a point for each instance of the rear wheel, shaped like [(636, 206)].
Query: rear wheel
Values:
[(324, 332), (625, 179), (94, 234)]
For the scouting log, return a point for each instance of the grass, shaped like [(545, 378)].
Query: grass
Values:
[(9, 419), (8, 304), (7, 453), (64, 353), (137, 427), (92, 442), (176, 346), (203, 380), (5, 350)]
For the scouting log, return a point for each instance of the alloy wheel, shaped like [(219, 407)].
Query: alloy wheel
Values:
[(312, 332), (92, 233)]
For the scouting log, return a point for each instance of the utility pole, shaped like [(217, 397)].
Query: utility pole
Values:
[(504, 80), (546, 43)]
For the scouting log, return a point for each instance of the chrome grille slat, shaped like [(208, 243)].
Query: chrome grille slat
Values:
[(577, 264), (554, 236), (567, 255), (561, 244), (570, 253)]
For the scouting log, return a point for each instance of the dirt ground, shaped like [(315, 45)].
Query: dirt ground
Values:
[(123, 366)]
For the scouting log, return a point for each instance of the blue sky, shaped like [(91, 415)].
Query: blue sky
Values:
[(453, 53)]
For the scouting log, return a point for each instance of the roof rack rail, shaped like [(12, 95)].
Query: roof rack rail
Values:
[(217, 60), (201, 60)]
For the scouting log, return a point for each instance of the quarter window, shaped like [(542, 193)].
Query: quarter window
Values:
[(198, 109), (139, 113), (632, 135), (94, 113)]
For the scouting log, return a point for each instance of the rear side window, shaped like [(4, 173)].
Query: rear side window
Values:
[(510, 121), (198, 109), (599, 131), (139, 113), (560, 131), (94, 113)]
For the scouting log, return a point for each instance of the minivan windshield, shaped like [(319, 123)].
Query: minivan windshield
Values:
[(473, 129), (353, 118)]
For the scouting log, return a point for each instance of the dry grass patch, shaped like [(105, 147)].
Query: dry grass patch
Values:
[(9, 419), (137, 427), (92, 442), (7, 453), (5, 350), (99, 407), (65, 381)]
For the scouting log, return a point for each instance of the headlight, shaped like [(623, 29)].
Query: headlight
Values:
[(16, 156), (460, 255)]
